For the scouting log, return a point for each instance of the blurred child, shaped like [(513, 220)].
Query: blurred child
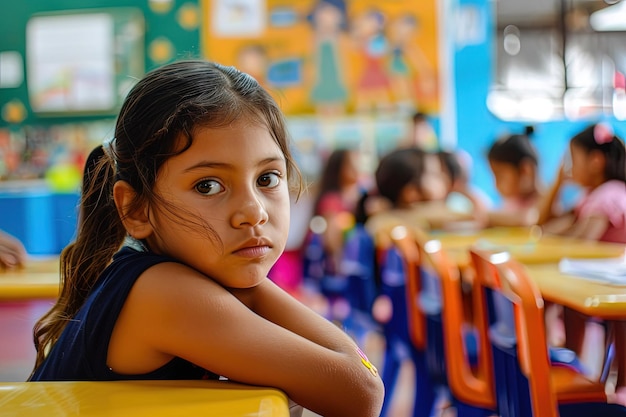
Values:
[(462, 198), (514, 162), (416, 184), (337, 197), (598, 164), (421, 134), (596, 161), (333, 216)]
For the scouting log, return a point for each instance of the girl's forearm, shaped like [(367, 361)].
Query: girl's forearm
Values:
[(275, 305), (546, 204)]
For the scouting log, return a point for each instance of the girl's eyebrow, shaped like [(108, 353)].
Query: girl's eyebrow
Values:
[(223, 165)]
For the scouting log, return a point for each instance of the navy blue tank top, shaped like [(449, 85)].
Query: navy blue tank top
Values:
[(80, 353)]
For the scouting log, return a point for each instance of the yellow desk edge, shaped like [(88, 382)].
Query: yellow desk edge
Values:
[(141, 398)]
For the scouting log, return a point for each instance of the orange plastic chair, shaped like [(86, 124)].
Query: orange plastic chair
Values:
[(548, 385), (406, 329), (469, 383), (404, 239), (471, 386)]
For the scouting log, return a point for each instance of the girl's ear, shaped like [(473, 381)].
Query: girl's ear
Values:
[(136, 222)]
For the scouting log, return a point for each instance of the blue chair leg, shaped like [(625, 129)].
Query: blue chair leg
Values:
[(591, 410), (466, 410), (424, 389), (391, 369)]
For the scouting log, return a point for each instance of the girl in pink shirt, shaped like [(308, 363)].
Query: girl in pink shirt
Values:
[(598, 163)]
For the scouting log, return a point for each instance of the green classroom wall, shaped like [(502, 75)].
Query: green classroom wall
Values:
[(159, 26)]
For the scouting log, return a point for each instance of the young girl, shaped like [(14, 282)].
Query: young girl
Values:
[(333, 209), (338, 194), (196, 181), (514, 161), (598, 164)]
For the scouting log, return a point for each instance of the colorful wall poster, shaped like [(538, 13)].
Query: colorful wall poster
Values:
[(331, 57)]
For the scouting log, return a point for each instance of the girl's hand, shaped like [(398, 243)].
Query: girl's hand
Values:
[(12, 252), (565, 170)]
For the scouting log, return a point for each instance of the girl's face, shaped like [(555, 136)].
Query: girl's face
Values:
[(350, 169), (234, 180), (435, 184), (507, 178), (582, 165)]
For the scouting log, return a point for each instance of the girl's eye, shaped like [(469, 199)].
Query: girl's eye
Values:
[(269, 180), (208, 187)]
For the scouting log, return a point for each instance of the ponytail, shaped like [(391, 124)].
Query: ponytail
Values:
[(100, 235)]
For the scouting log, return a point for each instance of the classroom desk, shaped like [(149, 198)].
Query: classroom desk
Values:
[(140, 398), (526, 245), (38, 279), (592, 298)]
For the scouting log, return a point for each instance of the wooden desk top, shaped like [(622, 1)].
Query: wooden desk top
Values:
[(526, 245), (39, 278), (590, 297), (141, 398)]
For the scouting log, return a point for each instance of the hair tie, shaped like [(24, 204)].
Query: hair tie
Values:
[(602, 133)]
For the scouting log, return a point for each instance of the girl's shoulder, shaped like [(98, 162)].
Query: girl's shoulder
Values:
[(611, 187)]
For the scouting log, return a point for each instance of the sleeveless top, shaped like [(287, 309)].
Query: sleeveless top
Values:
[(80, 354)]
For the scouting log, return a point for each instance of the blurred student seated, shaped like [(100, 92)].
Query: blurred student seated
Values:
[(416, 184), (596, 161), (514, 163)]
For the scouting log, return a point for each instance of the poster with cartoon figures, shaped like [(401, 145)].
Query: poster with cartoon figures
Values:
[(331, 57)]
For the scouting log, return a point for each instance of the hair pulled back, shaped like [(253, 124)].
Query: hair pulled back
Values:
[(514, 149), (160, 112), (600, 137)]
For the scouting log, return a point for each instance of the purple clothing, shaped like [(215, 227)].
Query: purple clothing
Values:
[(608, 201)]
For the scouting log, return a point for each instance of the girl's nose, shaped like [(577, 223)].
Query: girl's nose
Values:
[(250, 212)]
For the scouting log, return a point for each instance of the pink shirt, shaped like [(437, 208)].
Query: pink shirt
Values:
[(609, 201)]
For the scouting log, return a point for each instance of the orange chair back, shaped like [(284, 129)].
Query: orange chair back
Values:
[(507, 277), (404, 239), (470, 384)]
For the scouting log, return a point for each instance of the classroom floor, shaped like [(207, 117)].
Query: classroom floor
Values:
[(17, 352)]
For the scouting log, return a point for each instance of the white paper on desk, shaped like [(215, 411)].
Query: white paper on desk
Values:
[(612, 270)]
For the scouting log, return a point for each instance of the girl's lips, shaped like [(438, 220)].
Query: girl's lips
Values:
[(253, 251)]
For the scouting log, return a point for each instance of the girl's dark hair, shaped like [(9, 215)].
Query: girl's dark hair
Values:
[(160, 112), (398, 169), (514, 149), (600, 137), (330, 179), (452, 165)]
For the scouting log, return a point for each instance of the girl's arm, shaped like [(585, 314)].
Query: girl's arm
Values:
[(591, 228), (546, 205), (12, 252), (527, 217), (259, 336)]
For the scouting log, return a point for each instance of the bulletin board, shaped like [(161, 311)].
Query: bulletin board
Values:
[(331, 56), (83, 62)]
